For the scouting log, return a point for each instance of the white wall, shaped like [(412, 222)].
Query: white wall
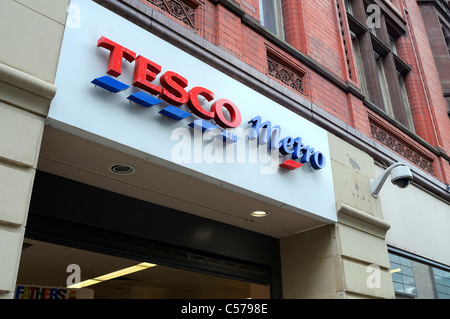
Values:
[(419, 221)]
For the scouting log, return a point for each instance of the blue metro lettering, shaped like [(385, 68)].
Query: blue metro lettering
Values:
[(264, 132), (285, 145), (288, 146)]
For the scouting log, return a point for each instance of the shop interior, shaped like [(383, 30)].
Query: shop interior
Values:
[(45, 265)]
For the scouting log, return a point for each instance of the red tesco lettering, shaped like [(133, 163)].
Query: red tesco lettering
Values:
[(173, 85)]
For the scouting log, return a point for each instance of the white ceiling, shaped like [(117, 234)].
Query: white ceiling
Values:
[(85, 161)]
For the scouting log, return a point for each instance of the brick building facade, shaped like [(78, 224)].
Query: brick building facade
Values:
[(373, 75)]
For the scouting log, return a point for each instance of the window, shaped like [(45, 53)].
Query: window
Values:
[(271, 16), (402, 275), (393, 45), (446, 33), (409, 119), (442, 283), (383, 84), (402, 73), (415, 276), (358, 64), (380, 69), (443, 61), (348, 6)]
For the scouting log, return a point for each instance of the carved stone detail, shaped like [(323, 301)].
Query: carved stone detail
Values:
[(178, 9), (402, 148), (293, 79)]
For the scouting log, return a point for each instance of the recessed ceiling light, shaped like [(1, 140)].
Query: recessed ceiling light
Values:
[(122, 169), (260, 213)]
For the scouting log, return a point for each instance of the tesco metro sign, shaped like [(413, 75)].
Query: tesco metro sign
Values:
[(172, 88)]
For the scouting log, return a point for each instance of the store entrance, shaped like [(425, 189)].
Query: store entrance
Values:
[(47, 269), (99, 232)]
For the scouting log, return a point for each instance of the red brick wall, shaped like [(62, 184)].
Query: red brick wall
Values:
[(229, 35), (323, 40)]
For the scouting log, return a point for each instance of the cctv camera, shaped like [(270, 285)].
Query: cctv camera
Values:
[(401, 176)]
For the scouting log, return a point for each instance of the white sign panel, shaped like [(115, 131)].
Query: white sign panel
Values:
[(236, 157)]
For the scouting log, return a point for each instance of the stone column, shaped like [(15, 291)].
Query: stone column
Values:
[(31, 36), (348, 259)]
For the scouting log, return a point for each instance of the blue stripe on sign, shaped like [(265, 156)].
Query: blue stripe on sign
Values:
[(202, 125), (144, 99), (174, 113), (110, 84)]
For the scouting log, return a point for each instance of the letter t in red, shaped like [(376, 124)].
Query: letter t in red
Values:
[(115, 57)]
